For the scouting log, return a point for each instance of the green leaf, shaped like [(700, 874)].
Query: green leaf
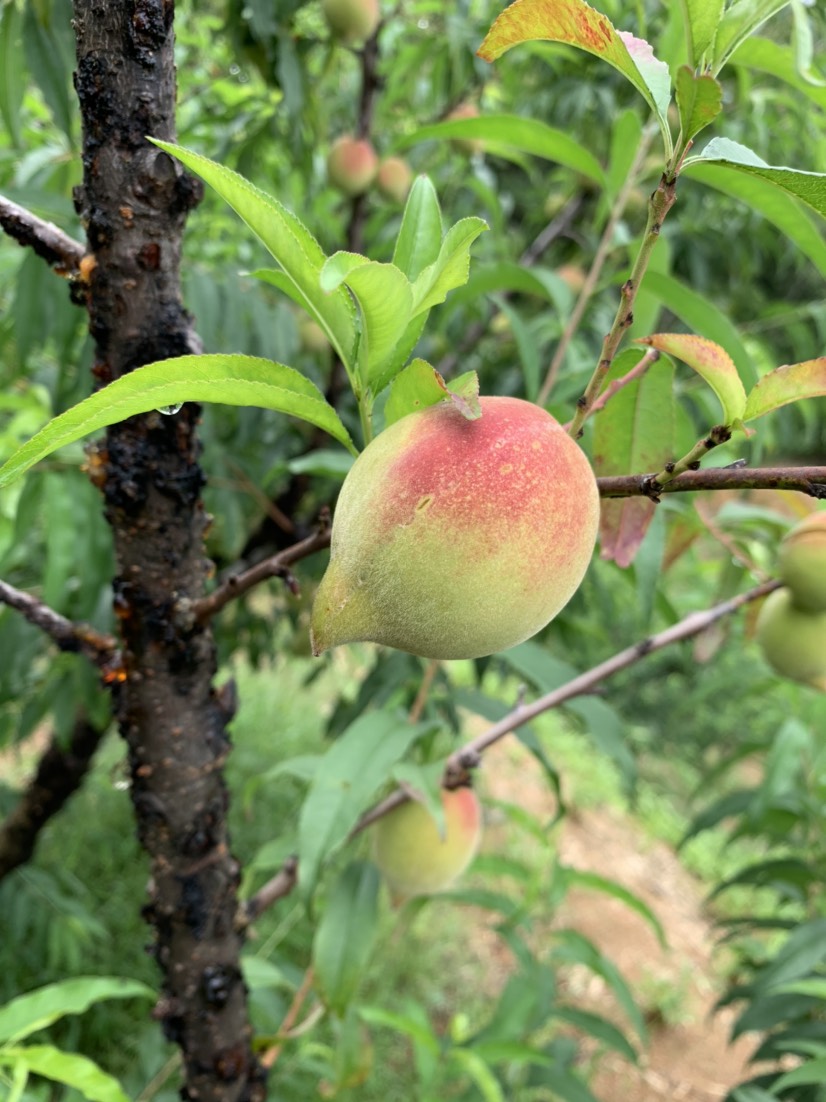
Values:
[(290, 243), (344, 938), (815, 988), (476, 1069), (582, 879), (426, 782), (810, 1072), (401, 1023), (525, 134), (577, 24), (702, 18), (48, 45), (568, 1087), (451, 267), (804, 48), (810, 187), (787, 875), (594, 1025), (699, 99), (348, 777), (771, 57), (575, 948), (636, 434), (742, 19), (803, 950), (385, 299), (790, 383), (711, 362), (83, 1074), (12, 81), (231, 380), (701, 315), (418, 386), (38, 1009), (420, 236)]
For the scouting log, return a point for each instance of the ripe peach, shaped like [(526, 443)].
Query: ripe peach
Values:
[(394, 179), (352, 20), (352, 164), (803, 563), (455, 538), (466, 145), (413, 858), (793, 641)]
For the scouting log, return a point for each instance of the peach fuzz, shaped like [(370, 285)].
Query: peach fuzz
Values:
[(352, 164), (455, 538), (412, 856)]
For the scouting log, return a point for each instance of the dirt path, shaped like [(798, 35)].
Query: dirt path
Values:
[(689, 1058)]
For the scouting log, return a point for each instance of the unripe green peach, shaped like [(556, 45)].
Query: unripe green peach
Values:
[(412, 856), (352, 164), (793, 641), (803, 563), (394, 179), (466, 145), (455, 538), (352, 20)]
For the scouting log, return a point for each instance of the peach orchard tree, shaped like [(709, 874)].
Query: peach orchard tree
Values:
[(644, 404)]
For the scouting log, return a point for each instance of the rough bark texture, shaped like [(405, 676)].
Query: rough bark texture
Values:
[(134, 201)]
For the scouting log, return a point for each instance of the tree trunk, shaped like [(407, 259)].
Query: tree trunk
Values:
[(134, 201)]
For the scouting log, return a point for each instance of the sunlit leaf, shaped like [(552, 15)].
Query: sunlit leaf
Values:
[(578, 24), (420, 385), (229, 380), (420, 236), (451, 267), (289, 242), (790, 383), (711, 362)]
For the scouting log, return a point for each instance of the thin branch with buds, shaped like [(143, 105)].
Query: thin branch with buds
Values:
[(49, 242), (806, 480), (460, 763)]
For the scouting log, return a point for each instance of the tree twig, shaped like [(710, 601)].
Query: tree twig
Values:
[(807, 480), (719, 434), (49, 242), (276, 566), (301, 993), (606, 244), (60, 772), (69, 636), (469, 756), (636, 372), (659, 204)]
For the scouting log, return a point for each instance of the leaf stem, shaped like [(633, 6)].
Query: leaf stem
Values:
[(720, 434)]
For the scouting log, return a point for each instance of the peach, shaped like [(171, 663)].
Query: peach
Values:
[(803, 563), (466, 145), (352, 20), (793, 641), (412, 856), (394, 179), (455, 538), (352, 164)]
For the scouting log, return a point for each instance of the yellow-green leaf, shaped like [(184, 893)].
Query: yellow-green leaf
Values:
[(789, 383), (710, 361)]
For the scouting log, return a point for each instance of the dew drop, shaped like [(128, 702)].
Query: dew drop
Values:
[(168, 411)]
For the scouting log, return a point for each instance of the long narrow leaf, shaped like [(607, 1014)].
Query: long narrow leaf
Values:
[(230, 380)]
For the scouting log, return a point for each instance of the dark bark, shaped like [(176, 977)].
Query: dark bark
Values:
[(134, 201), (59, 774)]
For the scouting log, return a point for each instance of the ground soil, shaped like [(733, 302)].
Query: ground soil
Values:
[(689, 1057)]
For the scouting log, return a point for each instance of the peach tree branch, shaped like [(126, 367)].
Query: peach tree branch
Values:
[(49, 242), (806, 480), (468, 757), (68, 635)]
